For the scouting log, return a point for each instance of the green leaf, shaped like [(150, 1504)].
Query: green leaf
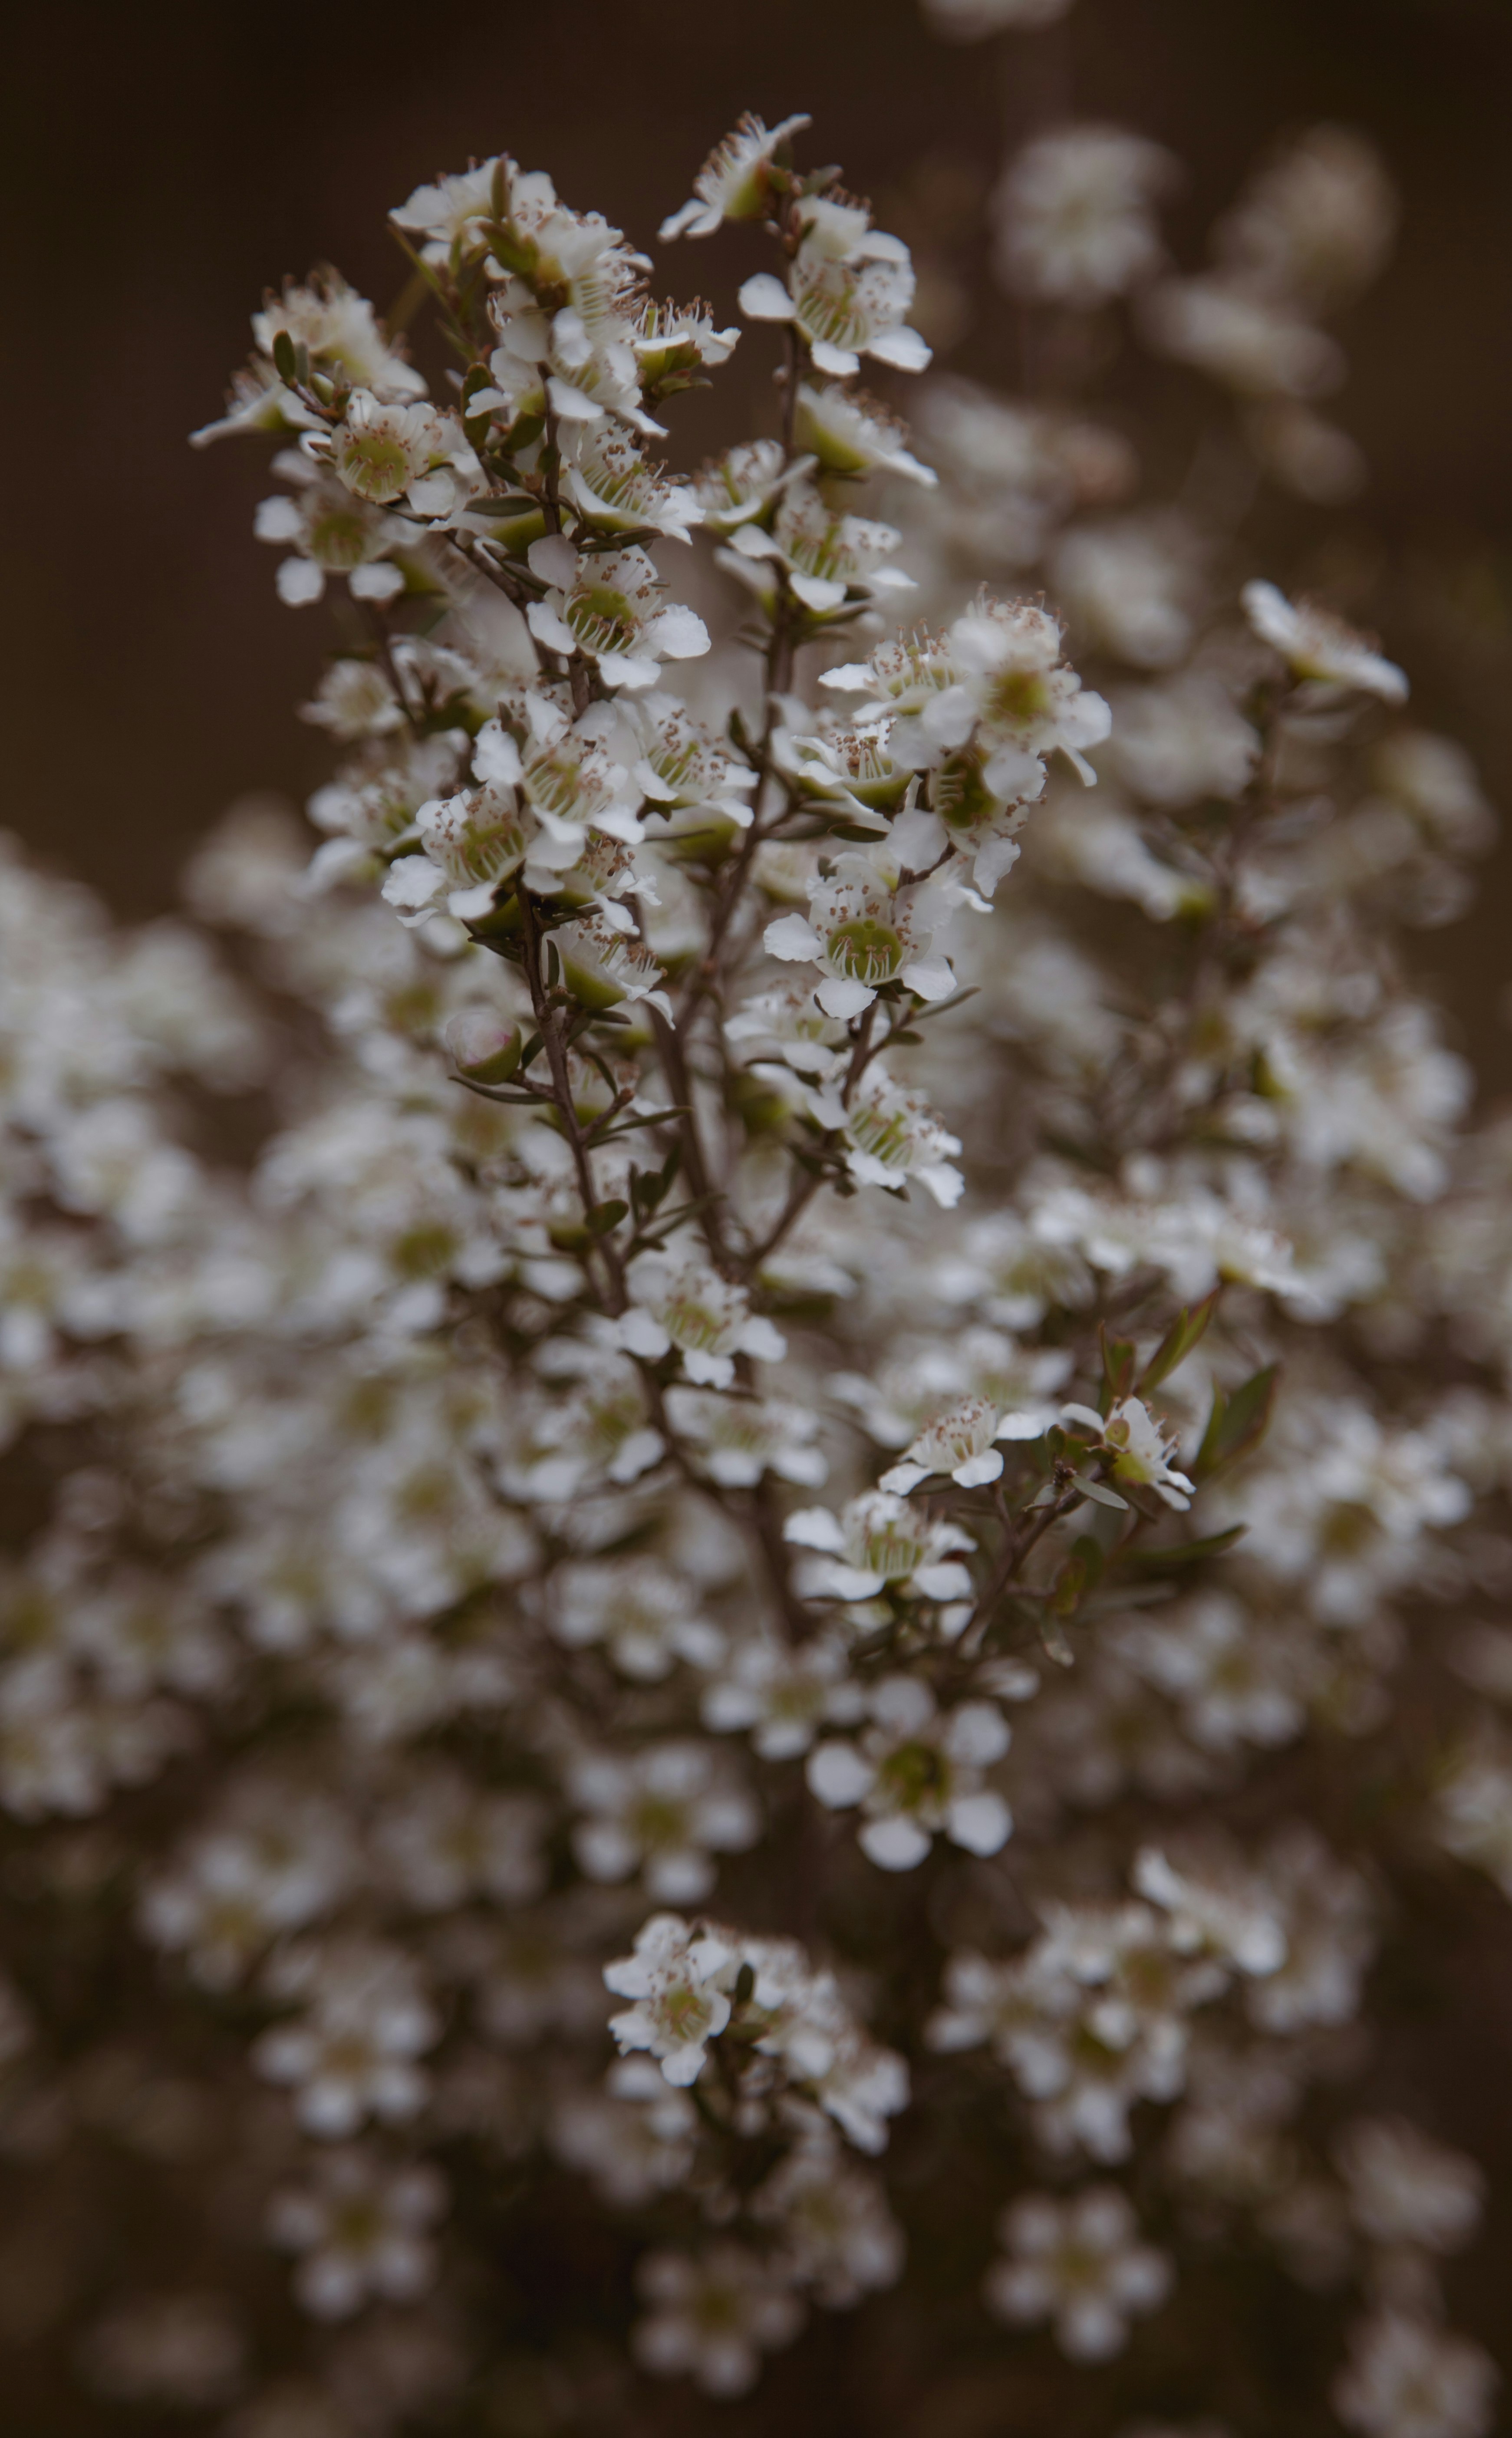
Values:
[(1181, 1554), (1093, 1557), (1188, 1326), (1053, 1641), (1099, 1491), (629, 1125), (1119, 1356), (605, 1216), (1237, 1424), (284, 361), (1079, 1574)]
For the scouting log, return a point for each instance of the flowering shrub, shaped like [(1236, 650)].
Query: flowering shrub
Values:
[(764, 1622)]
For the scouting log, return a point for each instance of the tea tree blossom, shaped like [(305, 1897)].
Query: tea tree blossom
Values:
[(1080, 2265), (359, 2233), (790, 1262), (714, 2317)]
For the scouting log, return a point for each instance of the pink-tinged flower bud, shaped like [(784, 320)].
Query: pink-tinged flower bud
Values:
[(483, 1046)]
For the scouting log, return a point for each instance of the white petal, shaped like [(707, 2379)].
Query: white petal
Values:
[(754, 541), (414, 880), (894, 1844), (378, 581), (904, 1478), (641, 1333), (681, 220), (550, 629), (929, 981), (902, 347), (981, 1823), (838, 362), (855, 676), (842, 999), (979, 1468), (838, 1775), (496, 756), (978, 1734), (628, 669), (814, 1527), (816, 592), (947, 1184), (760, 1339), (299, 582), (994, 856), (793, 938), (570, 405), (553, 560), (679, 633), (764, 299), (947, 1581)]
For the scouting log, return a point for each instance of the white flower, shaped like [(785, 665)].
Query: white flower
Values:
[(1315, 644), (783, 1697), (851, 436), (665, 1811), (917, 1771), (707, 1319), (1075, 216), (1177, 743), (1259, 346), (960, 1442), (1090, 2020), (877, 1540), (1128, 586), (711, 2317), (1145, 1452), (837, 2232), (684, 771), (608, 605), (847, 289), (733, 184), (474, 842), (892, 1135), (1317, 222), (381, 452), (831, 562), (352, 2053), (451, 211), (361, 2231), (1080, 2265), (1408, 2380), (737, 1438), (647, 1616), (635, 2139), (1406, 2189), (863, 934), (799, 2017), (677, 1978), (1215, 1908), (446, 1841), (615, 489)]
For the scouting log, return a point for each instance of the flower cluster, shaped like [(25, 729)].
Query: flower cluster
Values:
[(859, 1292)]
